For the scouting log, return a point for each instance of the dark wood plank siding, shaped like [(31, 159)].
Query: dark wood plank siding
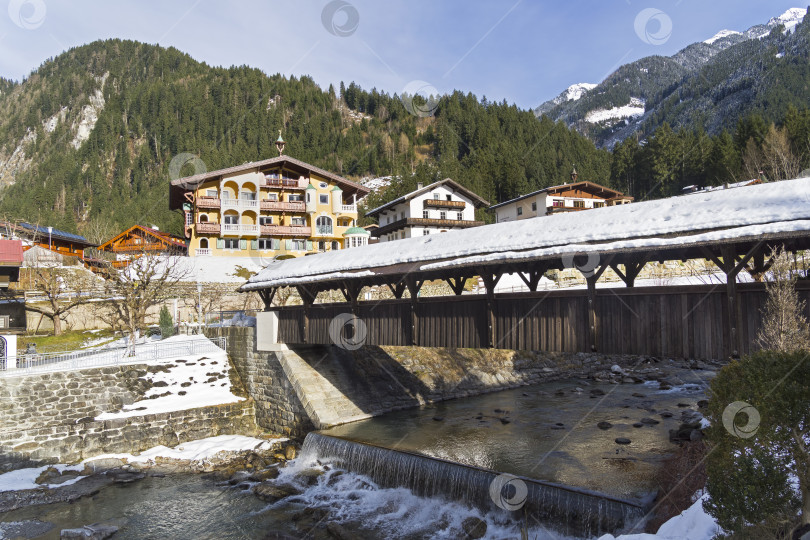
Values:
[(683, 322)]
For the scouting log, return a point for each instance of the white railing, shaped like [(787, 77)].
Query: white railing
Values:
[(323, 230), (349, 208), (238, 228), (14, 366), (203, 252), (240, 203)]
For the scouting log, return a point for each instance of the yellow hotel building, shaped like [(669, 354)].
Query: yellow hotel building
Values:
[(279, 206)]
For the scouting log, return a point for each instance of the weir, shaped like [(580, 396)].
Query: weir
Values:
[(569, 510)]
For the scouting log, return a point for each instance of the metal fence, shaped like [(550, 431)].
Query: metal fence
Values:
[(83, 359), (217, 318)]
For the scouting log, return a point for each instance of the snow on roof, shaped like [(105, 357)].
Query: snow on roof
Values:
[(213, 269), (764, 204), (584, 185)]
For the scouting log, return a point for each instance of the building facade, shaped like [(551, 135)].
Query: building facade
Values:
[(552, 200), (139, 240), (271, 208), (432, 209)]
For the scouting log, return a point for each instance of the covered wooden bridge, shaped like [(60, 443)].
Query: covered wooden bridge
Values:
[(736, 228)]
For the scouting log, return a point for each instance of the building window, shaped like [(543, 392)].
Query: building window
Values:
[(435, 196), (265, 220), (248, 195), (231, 243), (442, 215), (449, 198), (296, 197), (210, 193), (459, 216), (425, 214), (520, 210), (204, 243), (323, 185), (231, 219), (558, 204), (335, 245), (298, 221), (190, 218), (272, 197), (265, 243), (534, 207), (598, 204), (425, 232), (579, 204), (299, 245), (323, 199)]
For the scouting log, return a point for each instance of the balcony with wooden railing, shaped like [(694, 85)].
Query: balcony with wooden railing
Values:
[(283, 206), (438, 203), (208, 202), (425, 222), (285, 183), (301, 231), (207, 228)]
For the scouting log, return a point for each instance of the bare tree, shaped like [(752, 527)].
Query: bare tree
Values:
[(775, 157), (133, 290), (61, 290), (784, 328)]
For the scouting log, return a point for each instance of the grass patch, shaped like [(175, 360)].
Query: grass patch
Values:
[(64, 342)]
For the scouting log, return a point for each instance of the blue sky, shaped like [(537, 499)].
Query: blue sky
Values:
[(523, 51)]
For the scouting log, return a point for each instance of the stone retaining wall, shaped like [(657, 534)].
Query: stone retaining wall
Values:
[(50, 417)]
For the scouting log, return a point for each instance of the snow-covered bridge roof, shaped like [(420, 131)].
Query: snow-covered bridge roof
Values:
[(767, 211)]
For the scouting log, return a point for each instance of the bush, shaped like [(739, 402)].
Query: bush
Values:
[(166, 323), (759, 435)]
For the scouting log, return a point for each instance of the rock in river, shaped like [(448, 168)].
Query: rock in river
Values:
[(604, 425), (474, 527), (622, 440)]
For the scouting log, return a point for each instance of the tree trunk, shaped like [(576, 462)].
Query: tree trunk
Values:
[(57, 325)]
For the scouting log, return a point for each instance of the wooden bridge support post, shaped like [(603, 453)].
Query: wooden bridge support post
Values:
[(591, 277), (413, 288), (308, 296), (267, 297), (490, 281)]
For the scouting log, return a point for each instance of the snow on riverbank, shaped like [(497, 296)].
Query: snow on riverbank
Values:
[(692, 524), (189, 382), (197, 450), (194, 451)]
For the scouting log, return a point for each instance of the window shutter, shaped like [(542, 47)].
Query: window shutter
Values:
[(254, 244), (242, 243), (220, 243), (309, 245), (288, 243), (275, 243)]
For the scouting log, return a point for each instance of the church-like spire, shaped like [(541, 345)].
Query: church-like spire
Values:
[(574, 173), (280, 143)]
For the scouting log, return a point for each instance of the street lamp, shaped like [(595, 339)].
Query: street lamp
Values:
[(50, 230), (199, 307)]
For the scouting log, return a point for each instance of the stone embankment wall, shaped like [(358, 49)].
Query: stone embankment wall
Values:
[(319, 386), (50, 417)]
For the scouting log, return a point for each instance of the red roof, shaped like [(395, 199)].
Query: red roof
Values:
[(11, 253)]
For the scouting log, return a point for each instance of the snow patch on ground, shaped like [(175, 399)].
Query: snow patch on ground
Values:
[(720, 35), (375, 184), (197, 450), (214, 269), (692, 524), (26, 478), (188, 383), (631, 110)]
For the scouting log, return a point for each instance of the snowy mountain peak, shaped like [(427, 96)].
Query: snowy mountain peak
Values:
[(576, 91), (720, 35), (793, 15)]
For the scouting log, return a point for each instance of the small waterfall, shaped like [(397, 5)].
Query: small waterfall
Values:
[(569, 510)]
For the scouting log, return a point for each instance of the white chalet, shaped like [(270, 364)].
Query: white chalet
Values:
[(552, 200), (435, 208)]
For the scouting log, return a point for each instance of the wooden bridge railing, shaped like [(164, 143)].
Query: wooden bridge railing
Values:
[(667, 321)]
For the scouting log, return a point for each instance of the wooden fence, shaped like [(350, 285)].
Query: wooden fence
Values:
[(677, 322)]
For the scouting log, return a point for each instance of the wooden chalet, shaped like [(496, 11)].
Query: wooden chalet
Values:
[(139, 240), (61, 242)]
